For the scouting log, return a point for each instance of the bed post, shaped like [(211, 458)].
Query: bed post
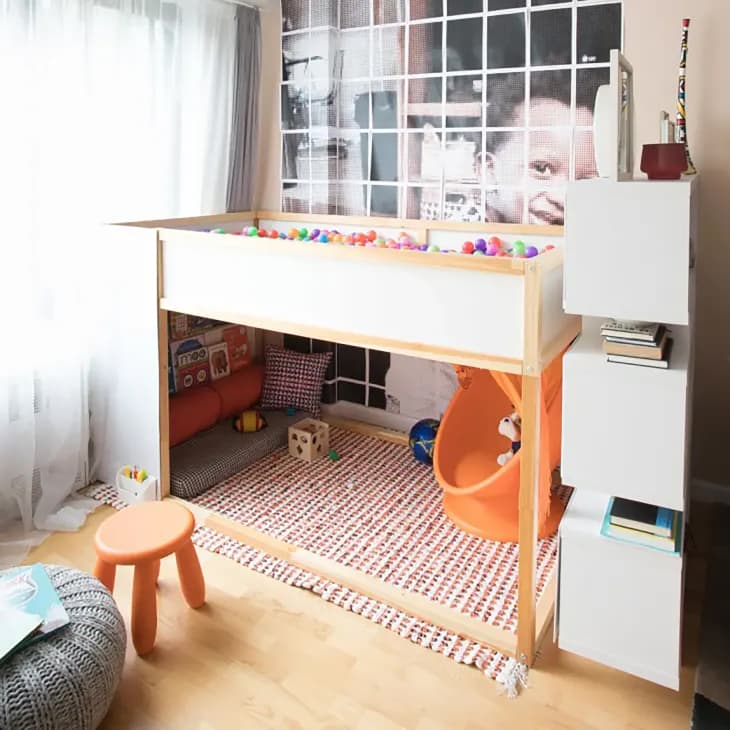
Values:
[(164, 397), (529, 468)]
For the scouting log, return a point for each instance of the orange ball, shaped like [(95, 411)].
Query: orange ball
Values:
[(293, 233), (360, 238), (360, 241), (339, 238), (348, 239), (372, 235)]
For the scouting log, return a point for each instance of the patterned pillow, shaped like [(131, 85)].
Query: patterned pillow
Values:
[(293, 379)]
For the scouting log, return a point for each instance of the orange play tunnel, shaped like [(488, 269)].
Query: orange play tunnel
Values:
[(481, 496)]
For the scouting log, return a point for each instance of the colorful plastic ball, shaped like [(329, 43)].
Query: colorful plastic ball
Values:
[(480, 245), (496, 240), (478, 253), (282, 235), (360, 238), (379, 240), (293, 233), (252, 231), (549, 247), (492, 249), (273, 234), (303, 232), (322, 238), (217, 230), (433, 248), (371, 235), (502, 254), (467, 247), (423, 247), (315, 233), (531, 251), (263, 233), (349, 240), (422, 439), (518, 249)]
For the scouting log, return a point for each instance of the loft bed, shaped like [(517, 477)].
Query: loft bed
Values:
[(500, 314)]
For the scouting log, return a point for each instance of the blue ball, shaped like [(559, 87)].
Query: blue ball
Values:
[(422, 439)]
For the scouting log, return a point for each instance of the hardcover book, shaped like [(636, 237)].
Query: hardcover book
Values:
[(29, 607), (646, 332)]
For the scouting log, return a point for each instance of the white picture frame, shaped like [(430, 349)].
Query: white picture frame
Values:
[(613, 122)]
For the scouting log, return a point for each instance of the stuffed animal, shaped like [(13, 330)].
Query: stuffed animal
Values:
[(249, 422), (510, 426)]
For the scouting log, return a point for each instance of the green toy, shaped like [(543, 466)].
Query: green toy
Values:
[(333, 455)]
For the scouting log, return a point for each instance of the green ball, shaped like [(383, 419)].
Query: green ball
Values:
[(478, 253), (303, 233), (518, 248), (433, 248), (253, 231)]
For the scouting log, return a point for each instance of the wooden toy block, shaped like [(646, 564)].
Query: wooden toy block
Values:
[(309, 439)]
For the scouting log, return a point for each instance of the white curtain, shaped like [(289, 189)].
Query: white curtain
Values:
[(112, 110)]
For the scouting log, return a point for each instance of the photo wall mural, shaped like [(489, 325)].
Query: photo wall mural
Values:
[(468, 110), (477, 110)]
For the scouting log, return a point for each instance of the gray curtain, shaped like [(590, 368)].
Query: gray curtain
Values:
[(244, 129)]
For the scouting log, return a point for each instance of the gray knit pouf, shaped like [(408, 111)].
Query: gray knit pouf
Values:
[(66, 681)]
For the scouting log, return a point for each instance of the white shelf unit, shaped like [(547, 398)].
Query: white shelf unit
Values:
[(630, 250)]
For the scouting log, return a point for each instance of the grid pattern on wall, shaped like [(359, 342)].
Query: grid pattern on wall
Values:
[(355, 374), (461, 109)]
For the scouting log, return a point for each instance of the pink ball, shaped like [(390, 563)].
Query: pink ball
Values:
[(492, 249)]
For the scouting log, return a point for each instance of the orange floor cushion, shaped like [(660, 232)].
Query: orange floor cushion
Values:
[(239, 391), (192, 411)]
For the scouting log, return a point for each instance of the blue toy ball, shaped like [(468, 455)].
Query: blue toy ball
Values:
[(422, 439)]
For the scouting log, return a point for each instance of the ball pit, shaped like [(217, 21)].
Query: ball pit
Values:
[(492, 246)]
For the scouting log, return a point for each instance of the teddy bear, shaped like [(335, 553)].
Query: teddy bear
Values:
[(510, 426)]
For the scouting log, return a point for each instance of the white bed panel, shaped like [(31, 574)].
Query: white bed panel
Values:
[(124, 372), (454, 308), (554, 319)]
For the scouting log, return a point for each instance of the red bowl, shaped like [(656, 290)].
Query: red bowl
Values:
[(663, 161)]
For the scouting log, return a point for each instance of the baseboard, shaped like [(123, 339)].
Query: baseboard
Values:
[(374, 416), (707, 491)]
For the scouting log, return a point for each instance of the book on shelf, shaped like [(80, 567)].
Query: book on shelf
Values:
[(644, 331), (29, 607), (637, 348), (666, 543), (645, 361), (641, 516)]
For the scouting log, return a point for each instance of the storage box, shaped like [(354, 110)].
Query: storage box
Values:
[(309, 439), (619, 603), (625, 427), (131, 491)]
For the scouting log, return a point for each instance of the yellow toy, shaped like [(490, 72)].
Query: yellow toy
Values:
[(249, 422)]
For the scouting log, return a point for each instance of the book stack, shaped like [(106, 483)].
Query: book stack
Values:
[(29, 608), (643, 524), (647, 344)]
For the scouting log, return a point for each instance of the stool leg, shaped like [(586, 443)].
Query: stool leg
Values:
[(105, 572), (191, 577), (144, 607)]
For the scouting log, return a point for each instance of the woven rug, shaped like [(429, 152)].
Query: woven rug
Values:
[(377, 510)]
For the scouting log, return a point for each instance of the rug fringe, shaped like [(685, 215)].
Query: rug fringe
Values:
[(513, 678)]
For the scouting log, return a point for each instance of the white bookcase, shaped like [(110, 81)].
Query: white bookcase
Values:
[(630, 251)]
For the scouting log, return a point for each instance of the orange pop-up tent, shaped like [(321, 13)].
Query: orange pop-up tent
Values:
[(481, 496)]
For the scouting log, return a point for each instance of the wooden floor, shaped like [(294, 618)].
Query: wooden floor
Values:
[(263, 654)]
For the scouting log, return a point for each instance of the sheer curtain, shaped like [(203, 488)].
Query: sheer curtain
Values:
[(112, 110)]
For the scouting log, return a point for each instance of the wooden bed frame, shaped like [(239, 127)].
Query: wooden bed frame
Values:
[(518, 326)]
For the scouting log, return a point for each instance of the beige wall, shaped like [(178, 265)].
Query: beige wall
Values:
[(652, 34)]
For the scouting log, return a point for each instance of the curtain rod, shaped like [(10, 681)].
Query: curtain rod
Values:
[(242, 4)]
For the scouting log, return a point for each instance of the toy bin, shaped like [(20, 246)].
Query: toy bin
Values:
[(309, 439), (131, 491)]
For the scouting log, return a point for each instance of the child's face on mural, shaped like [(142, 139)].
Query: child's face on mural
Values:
[(548, 165)]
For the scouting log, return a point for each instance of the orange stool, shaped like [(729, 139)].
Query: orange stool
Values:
[(141, 535)]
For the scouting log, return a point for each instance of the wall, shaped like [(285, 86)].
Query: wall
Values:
[(652, 33)]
